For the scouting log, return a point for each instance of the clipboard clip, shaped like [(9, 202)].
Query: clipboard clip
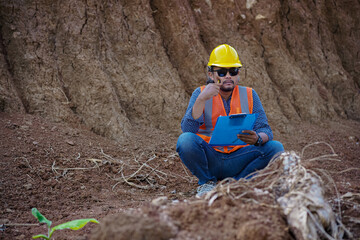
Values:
[(240, 115)]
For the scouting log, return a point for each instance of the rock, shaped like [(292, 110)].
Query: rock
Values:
[(24, 127), (159, 201), (28, 186), (353, 139), (8, 210), (4, 220)]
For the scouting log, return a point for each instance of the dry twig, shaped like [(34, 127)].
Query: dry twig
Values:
[(293, 183)]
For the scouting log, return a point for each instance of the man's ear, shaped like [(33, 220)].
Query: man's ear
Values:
[(210, 75)]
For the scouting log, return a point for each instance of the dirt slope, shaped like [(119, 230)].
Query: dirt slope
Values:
[(113, 64)]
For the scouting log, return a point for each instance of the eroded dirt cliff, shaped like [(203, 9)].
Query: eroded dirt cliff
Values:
[(115, 65)]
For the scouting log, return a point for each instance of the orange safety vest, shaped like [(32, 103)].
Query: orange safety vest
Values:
[(241, 102)]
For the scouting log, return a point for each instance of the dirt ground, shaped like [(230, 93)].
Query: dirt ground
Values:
[(68, 172)]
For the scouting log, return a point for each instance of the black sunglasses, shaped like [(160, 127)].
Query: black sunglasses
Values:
[(223, 71)]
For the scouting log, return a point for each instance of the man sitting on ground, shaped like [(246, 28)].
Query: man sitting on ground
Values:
[(223, 97)]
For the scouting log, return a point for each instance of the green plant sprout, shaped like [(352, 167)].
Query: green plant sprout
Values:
[(74, 225)]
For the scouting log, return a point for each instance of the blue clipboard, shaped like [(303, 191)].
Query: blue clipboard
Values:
[(227, 128)]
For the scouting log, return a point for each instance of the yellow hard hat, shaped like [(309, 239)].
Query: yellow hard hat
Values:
[(224, 56)]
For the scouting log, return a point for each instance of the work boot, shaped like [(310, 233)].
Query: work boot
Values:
[(203, 189)]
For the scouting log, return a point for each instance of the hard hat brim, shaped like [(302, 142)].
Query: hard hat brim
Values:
[(226, 65)]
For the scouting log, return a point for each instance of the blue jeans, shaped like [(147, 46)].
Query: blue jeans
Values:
[(209, 165)]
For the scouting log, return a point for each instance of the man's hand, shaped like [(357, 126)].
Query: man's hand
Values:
[(250, 138), (211, 90)]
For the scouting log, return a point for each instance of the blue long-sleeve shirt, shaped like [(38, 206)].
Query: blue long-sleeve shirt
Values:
[(189, 124)]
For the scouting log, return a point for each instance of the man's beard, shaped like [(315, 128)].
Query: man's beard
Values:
[(227, 89)]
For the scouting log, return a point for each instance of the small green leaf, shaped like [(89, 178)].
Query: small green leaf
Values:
[(40, 236), (40, 217), (74, 225)]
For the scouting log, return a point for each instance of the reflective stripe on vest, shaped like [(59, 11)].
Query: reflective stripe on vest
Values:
[(241, 102)]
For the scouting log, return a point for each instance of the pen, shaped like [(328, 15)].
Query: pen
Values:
[(211, 81)]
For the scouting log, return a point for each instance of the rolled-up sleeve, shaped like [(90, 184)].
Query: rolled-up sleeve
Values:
[(261, 124), (188, 123)]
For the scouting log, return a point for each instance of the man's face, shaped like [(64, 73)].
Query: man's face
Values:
[(228, 77)]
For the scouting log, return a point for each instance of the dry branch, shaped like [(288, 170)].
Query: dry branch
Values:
[(298, 191)]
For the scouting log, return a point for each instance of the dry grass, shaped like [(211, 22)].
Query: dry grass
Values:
[(299, 192)]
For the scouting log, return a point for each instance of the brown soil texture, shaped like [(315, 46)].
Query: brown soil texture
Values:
[(112, 65), (68, 172), (92, 94)]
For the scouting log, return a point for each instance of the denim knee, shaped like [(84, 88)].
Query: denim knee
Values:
[(275, 146), (186, 141)]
